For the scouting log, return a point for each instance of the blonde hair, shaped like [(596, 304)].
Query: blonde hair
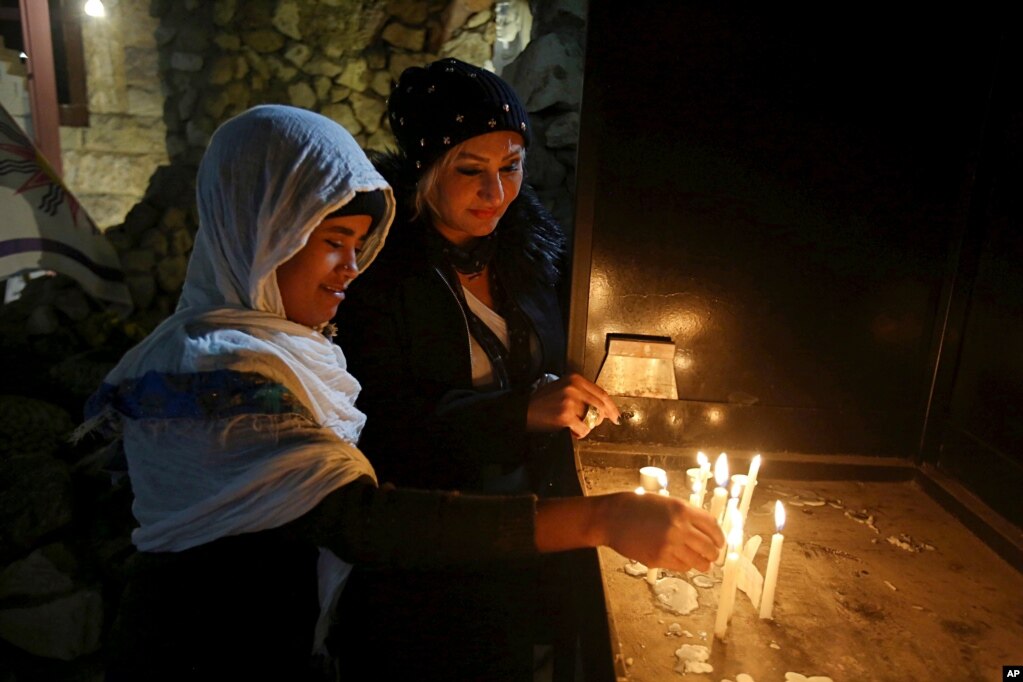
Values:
[(423, 201)]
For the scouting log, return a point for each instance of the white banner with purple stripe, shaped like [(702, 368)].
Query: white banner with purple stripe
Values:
[(43, 227)]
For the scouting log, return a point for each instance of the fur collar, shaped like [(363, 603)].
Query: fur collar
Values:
[(531, 243)]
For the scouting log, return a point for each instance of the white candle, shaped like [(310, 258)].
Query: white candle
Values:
[(717, 503), (751, 483), (773, 561), (704, 463), (730, 508), (729, 580), (653, 479), (696, 498)]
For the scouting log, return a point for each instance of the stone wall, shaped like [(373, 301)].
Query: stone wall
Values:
[(107, 164)]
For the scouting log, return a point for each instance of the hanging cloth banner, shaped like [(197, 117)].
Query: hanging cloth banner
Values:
[(43, 227)]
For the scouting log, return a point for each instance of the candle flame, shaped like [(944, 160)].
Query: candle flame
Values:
[(779, 515), (701, 459), (640, 491), (721, 469), (664, 491), (662, 479)]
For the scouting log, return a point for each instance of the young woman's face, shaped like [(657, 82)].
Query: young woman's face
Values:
[(473, 191), (313, 281)]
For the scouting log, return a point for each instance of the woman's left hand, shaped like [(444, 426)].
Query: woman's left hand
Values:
[(565, 402)]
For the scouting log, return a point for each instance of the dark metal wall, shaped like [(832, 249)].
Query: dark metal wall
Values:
[(786, 194)]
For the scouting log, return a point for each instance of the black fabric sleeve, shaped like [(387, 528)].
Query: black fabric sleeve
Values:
[(417, 529)]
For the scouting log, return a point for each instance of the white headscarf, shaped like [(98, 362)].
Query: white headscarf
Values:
[(235, 419)]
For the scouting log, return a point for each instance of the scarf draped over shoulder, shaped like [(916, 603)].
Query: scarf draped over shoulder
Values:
[(233, 418)]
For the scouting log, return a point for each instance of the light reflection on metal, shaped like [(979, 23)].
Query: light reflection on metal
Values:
[(683, 359), (640, 368), (600, 292), (682, 325)]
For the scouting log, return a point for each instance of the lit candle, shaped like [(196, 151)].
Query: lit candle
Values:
[(717, 503), (704, 463), (653, 479), (728, 581), (732, 506), (695, 498), (773, 561), (751, 483)]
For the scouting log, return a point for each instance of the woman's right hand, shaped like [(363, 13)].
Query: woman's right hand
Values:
[(662, 531), (563, 404), (657, 530)]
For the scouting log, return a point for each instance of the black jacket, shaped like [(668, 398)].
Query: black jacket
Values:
[(406, 339)]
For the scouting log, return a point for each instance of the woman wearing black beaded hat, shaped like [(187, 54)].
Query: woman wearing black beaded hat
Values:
[(458, 339)]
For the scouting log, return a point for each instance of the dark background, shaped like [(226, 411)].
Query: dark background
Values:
[(820, 208)]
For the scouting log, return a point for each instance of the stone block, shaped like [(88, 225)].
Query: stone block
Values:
[(400, 61), (339, 93), (563, 131), (186, 61), (140, 260), (301, 95), (63, 629), (34, 576), (140, 66), (322, 67), (403, 36), (174, 219), (170, 273), (412, 12), (222, 70), (298, 54), (343, 114), (470, 47), (35, 498), (355, 75), (548, 73), (287, 19), (142, 289), (181, 242), (382, 140), (322, 85), (107, 210), (369, 110), (228, 42), (263, 41), (155, 242), (478, 19), (214, 104), (145, 101), (124, 134), (223, 11), (380, 83)]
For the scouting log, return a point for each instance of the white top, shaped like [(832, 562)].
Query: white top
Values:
[(482, 370)]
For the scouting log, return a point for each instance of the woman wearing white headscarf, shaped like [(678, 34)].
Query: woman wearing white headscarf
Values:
[(238, 422)]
